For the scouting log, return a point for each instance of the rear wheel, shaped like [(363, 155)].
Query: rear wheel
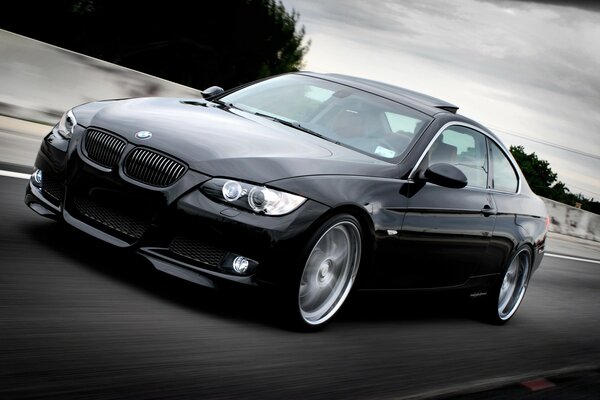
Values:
[(509, 291), (330, 266)]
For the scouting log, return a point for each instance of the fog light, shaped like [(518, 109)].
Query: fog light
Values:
[(240, 264), (37, 176)]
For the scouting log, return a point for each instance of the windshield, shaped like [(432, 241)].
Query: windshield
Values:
[(365, 122)]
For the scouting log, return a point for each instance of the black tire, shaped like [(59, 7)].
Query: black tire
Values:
[(508, 291), (326, 273)]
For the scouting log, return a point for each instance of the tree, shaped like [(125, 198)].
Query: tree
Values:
[(195, 43), (538, 173), (543, 181)]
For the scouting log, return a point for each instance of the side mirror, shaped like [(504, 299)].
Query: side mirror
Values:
[(446, 175), (212, 92)]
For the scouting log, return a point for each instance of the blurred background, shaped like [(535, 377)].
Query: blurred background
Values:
[(81, 320), (526, 69)]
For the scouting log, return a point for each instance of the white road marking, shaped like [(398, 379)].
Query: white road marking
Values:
[(14, 174), (573, 258)]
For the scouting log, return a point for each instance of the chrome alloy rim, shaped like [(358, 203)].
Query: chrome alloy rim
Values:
[(514, 285), (329, 272)]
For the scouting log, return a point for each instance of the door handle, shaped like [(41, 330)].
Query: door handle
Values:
[(488, 210)]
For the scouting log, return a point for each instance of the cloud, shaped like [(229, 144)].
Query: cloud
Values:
[(590, 5), (526, 67)]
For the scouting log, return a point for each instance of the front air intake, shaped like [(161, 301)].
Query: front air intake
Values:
[(197, 250), (152, 168)]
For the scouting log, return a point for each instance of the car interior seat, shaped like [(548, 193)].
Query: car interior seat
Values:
[(442, 153), (349, 124)]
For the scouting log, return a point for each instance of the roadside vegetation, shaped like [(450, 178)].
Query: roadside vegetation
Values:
[(195, 43), (544, 182)]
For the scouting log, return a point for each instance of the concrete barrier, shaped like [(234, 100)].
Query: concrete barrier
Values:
[(572, 221), (38, 82)]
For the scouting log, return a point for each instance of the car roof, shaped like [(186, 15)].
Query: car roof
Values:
[(419, 101)]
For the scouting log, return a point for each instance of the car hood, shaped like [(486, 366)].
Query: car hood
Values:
[(220, 141)]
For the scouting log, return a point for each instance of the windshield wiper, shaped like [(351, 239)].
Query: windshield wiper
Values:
[(295, 125), (224, 103)]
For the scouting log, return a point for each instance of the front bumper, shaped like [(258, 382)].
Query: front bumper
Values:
[(177, 228)]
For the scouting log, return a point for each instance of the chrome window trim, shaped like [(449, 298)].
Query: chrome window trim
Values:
[(486, 135)]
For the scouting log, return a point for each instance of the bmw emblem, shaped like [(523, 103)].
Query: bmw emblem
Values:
[(143, 135)]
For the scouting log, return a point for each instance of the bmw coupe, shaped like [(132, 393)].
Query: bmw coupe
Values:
[(309, 184)]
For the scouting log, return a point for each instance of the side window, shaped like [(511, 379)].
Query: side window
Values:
[(464, 148), (504, 176)]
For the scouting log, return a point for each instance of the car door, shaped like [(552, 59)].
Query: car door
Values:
[(446, 232)]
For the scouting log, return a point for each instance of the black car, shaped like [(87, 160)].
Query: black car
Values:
[(305, 183)]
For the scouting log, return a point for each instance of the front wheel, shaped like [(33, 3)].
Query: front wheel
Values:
[(508, 293), (329, 270)]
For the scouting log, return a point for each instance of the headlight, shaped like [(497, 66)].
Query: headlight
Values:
[(66, 125), (259, 199)]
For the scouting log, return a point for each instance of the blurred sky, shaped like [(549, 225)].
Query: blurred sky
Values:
[(530, 71)]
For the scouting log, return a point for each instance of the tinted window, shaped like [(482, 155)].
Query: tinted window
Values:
[(368, 123), (464, 148), (504, 176), (403, 124)]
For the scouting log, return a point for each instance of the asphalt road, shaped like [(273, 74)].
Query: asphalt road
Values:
[(79, 319)]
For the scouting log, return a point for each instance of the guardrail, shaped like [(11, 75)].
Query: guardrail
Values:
[(573, 221), (38, 81)]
